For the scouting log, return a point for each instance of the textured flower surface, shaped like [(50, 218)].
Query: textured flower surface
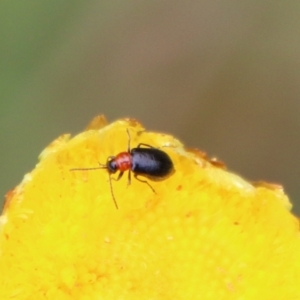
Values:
[(204, 234)]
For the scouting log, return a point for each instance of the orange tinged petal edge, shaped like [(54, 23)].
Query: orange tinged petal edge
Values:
[(205, 234)]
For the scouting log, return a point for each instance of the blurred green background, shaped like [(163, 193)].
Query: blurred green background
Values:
[(223, 76)]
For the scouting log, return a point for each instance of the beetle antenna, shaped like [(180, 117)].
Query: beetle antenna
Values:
[(129, 138), (92, 168), (109, 178), (112, 191)]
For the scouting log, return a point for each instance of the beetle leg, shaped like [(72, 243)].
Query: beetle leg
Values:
[(129, 178), (145, 145), (144, 181), (119, 177)]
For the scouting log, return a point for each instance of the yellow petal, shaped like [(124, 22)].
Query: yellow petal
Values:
[(204, 234)]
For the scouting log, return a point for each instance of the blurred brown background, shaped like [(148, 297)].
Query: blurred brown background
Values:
[(221, 76)]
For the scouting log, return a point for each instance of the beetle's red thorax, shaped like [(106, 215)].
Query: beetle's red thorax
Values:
[(123, 161)]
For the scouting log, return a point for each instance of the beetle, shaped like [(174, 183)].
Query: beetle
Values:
[(144, 160)]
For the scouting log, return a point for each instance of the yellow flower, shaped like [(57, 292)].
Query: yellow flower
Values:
[(204, 234)]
